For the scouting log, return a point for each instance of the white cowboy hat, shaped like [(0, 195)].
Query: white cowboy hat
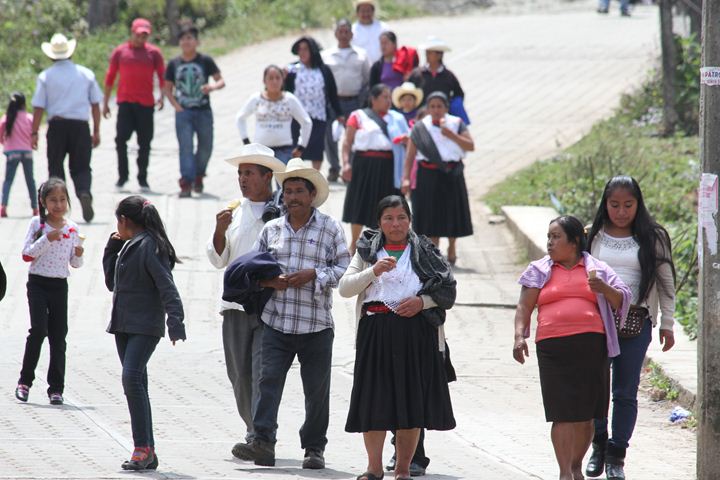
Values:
[(435, 44), (407, 88), (59, 48), (297, 167), (365, 2), (258, 154)]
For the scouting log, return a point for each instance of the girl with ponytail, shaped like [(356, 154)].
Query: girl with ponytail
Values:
[(138, 263), (16, 138)]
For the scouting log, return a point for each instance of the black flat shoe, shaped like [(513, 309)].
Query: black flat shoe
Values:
[(138, 461), (596, 464)]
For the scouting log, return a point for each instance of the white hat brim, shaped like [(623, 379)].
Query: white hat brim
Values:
[(398, 92), (266, 161), (313, 176), (441, 47), (48, 51)]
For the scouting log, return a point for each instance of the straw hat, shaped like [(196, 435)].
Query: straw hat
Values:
[(59, 48), (372, 3), (407, 88), (435, 44), (257, 154), (297, 167)]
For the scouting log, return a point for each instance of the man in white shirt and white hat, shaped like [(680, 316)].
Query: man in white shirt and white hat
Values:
[(236, 229), (69, 93), (366, 31)]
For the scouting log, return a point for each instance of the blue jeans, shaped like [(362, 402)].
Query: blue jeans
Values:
[(284, 154), (13, 159), (605, 5), (135, 351), (626, 369), (314, 352), (188, 123)]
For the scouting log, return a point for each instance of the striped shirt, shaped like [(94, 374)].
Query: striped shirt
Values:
[(319, 244)]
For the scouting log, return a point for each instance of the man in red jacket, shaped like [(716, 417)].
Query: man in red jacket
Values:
[(136, 61)]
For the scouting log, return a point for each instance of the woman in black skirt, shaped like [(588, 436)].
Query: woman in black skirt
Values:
[(440, 200), (369, 136), (404, 287), (578, 299)]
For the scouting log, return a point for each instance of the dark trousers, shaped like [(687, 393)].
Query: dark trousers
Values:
[(47, 298), (626, 369), (419, 457), (135, 352), (133, 117), (71, 138), (347, 106), (314, 352)]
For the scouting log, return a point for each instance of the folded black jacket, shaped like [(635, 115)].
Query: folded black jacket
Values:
[(242, 277)]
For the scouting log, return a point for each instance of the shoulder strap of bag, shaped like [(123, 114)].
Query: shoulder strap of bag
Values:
[(423, 141), (378, 119)]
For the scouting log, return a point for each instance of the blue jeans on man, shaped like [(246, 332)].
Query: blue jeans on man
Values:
[(314, 352), (604, 6), (13, 160), (189, 123), (626, 369)]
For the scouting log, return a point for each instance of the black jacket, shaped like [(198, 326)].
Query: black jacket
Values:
[(241, 279), (143, 289), (428, 264), (331, 97)]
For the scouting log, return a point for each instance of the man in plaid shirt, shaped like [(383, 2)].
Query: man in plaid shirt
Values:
[(311, 249)]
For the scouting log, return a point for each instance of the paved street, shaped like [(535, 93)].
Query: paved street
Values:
[(535, 80)]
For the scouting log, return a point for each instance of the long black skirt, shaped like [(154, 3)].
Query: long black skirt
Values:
[(440, 204), (574, 377), (399, 381), (373, 179)]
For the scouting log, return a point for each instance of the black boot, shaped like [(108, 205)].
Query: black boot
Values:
[(615, 463), (596, 464)]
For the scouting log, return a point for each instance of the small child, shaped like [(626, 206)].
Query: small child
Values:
[(52, 242), (16, 137), (407, 99), (138, 262)]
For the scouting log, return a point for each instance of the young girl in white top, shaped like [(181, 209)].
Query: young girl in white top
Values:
[(274, 111), (52, 242), (627, 238)]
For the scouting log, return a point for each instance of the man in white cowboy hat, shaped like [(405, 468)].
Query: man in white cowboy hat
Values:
[(68, 92), (311, 250), (366, 31), (236, 229), (434, 76), (351, 68)]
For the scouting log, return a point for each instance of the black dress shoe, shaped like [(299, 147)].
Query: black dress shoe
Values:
[(391, 464), (260, 452), (615, 472), (596, 464), (314, 459)]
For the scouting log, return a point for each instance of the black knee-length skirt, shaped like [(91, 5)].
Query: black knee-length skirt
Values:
[(399, 379), (440, 204), (574, 377), (373, 178)]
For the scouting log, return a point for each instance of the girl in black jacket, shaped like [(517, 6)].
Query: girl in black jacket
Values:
[(313, 83), (138, 261)]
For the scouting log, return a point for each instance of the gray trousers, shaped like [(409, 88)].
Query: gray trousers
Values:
[(242, 342)]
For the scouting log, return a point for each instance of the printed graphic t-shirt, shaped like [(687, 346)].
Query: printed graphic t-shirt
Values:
[(188, 77)]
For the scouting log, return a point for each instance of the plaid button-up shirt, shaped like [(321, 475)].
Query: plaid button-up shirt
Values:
[(319, 244)]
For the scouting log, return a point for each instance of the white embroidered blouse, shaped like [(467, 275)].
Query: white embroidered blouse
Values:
[(51, 259)]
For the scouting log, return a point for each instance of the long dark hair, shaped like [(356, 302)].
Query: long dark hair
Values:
[(574, 231), (17, 103), (44, 191), (653, 239), (316, 60), (141, 212)]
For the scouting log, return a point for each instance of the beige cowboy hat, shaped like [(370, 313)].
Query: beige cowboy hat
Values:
[(357, 3), (407, 88), (59, 47), (297, 167), (435, 44), (257, 154)]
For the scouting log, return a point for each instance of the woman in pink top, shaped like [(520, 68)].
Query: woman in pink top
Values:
[(16, 137), (577, 297)]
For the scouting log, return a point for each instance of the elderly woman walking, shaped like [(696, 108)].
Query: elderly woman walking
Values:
[(404, 288), (578, 298), (313, 84), (377, 160), (438, 143)]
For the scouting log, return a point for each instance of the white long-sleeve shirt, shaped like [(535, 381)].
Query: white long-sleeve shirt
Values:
[(273, 119), (51, 259), (367, 37)]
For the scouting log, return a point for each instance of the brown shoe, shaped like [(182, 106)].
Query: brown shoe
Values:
[(198, 184), (185, 189)]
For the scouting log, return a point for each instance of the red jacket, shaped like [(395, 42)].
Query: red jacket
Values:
[(406, 59)]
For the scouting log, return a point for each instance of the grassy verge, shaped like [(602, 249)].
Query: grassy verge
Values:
[(27, 23), (667, 169)]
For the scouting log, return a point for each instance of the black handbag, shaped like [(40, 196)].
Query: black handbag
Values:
[(633, 323)]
